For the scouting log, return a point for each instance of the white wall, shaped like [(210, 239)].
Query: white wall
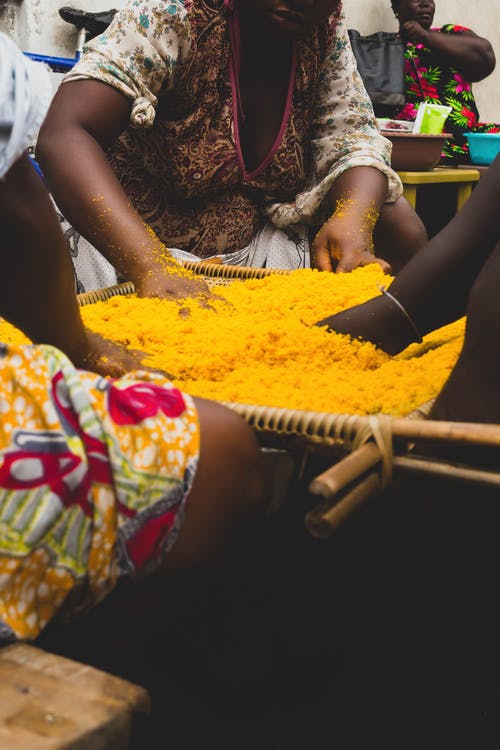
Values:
[(37, 27)]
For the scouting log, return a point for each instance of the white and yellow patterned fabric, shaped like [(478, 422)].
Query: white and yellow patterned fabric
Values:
[(94, 476)]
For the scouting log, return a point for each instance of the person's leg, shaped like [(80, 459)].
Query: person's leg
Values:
[(472, 392), (399, 234), (230, 492), (223, 512)]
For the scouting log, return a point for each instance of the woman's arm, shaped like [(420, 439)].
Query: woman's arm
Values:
[(122, 71), (434, 286), (347, 236), (37, 285), (469, 53), (85, 117), (344, 136)]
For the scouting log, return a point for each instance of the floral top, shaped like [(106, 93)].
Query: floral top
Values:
[(180, 161), (428, 81)]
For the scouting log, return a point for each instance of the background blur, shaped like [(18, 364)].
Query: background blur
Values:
[(36, 27)]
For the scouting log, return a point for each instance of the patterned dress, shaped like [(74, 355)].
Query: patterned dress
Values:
[(181, 161), (440, 84), (94, 476)]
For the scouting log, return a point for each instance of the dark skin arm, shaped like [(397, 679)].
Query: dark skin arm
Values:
[(469, 53), (37, 285), (435, 285), (83, 121), (345, 241)]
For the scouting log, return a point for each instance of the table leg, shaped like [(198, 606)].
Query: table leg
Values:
[(463, 193), (410, 193)]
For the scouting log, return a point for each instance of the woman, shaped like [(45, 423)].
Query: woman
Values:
[(224, 129), (102, 480), (441, 65)]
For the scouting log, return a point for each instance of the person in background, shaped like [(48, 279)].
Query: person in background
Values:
[(235, 130), (103, 481), (441, 64)]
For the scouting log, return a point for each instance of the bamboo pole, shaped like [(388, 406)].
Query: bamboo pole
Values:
[(459, 472), (342, 427), (341, 474), (321, 522), (458, 433)]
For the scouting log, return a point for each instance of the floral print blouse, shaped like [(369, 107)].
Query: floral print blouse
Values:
[(428, 81), (180, 161)]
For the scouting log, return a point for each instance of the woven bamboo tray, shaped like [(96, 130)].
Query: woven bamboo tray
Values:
[(366, 448)]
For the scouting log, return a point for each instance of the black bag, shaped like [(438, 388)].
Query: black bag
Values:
[(380, 59)]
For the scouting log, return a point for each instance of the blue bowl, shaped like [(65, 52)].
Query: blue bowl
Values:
[(483, 147)]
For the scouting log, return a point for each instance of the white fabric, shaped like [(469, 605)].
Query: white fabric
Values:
[(25, 96), (92, 270), (270, 248)]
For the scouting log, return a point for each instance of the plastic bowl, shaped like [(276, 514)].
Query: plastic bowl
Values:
[(483, 147), (415, 152)]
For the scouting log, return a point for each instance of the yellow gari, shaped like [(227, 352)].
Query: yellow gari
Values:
[(258, 345)]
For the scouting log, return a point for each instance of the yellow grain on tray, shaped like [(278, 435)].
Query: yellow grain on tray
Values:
[(263, 348)]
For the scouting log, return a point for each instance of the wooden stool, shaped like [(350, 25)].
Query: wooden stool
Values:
[(464, 178), (51, 703)]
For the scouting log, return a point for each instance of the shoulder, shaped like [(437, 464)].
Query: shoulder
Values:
[(167, 26), (152, 14), (335, 32), (153, 18)]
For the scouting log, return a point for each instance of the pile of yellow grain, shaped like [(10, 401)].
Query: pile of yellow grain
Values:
[(258, 345)]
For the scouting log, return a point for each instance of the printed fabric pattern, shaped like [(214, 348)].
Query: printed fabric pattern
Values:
[(439, 84), (178, 161), (94, 476)]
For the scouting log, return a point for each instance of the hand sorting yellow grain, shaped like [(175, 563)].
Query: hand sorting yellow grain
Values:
[(265, 349)]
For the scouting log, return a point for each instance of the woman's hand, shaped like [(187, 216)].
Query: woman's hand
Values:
[(108, 358), (171, 284), (344, 243), (412, 31)]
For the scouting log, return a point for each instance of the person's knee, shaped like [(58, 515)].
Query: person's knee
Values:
[(399, 234), (230, 454), (483, 306), (229, 495)]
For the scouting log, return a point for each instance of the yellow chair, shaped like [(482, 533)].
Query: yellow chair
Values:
[(465, 179)]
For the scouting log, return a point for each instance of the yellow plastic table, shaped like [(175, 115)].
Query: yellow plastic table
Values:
[(464, 178)]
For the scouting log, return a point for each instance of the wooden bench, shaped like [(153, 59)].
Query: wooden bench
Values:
[(465, 179), (48, 702)]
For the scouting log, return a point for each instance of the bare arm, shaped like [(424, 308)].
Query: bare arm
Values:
[(434, 286), (356, 198), (83, 121), (37, 289), (469, 53)]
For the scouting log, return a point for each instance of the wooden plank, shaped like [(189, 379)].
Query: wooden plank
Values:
[(50, 702)]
